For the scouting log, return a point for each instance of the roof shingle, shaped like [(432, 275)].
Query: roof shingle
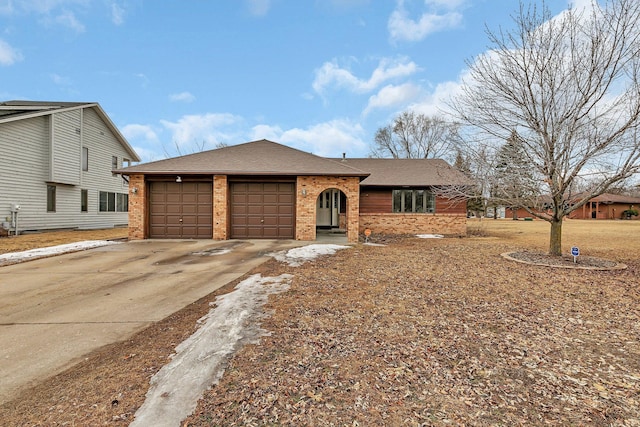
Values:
[(252, 158)]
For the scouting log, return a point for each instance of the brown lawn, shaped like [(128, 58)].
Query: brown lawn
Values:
[(418, 332), (24, 242)]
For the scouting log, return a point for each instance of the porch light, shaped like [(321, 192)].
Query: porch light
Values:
[(178, 179)]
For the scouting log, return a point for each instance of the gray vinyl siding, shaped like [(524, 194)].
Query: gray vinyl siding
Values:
[(65, 147), (32, 160)]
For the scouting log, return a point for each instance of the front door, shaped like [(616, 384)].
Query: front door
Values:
[(328, 208)]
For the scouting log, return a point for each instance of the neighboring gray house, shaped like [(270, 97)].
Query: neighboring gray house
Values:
[(55, 172)]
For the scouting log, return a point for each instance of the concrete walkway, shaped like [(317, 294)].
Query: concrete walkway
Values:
[(55, 310)]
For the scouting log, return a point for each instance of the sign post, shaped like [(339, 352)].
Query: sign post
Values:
[(367, 233), (575, 251)]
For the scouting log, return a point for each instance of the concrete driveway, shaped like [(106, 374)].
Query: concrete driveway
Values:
[(55, 310)]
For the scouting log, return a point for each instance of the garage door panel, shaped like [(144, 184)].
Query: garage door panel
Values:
[(173, 198), (157, 209), (270, 199), (271, 210), (254, 221), (181, 210), (189, 209), (285, 221), (204, 210), (262, 210), (254, 210), (285, 210), (238, 198), (189, 198), (155, 220), (270, 221), (204, 198), (254, 199), (204, 220), (189, 220), (253, 187)]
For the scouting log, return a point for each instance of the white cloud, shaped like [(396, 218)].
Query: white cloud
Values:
[(60, 80), (68, 19), (329, 139), (436, 102), (440, 15), (137, 131), (258, 7), (143, 78), (331, 74), (45, 6), (272, 133), (182, 97), (8, 55), (209, 128), (391, 95), (117, 14)]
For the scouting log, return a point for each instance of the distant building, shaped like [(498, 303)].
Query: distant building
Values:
[(55, 173)]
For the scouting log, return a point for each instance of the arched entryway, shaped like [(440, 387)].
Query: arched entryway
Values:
[(331, 211)]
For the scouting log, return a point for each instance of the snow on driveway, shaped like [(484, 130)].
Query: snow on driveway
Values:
[(200, 360), (53, 250)]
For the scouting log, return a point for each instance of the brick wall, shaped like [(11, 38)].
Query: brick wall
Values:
[(393, 223), (137, 207), (220, 207), (312, 186)]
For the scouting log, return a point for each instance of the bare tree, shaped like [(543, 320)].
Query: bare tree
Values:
[(416, 136), (196, 147), (569, 88)]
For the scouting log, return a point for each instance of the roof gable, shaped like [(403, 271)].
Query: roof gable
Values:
[(261, 157), (20, 110)]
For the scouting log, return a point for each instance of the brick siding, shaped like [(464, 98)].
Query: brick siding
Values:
[(137, 207), (220, 207), (308, 188), (395, 223)]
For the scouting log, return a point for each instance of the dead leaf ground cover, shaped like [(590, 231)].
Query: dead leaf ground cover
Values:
[(419, 332)]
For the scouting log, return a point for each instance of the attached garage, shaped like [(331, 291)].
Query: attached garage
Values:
[(180, 210), (262, 210), (256, 190)]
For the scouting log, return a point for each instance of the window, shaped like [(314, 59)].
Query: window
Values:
[(51, 198), (84, 200), (122, 202), (85, 159), (113, 202), (114, 162), (126, 163), (418, 201)]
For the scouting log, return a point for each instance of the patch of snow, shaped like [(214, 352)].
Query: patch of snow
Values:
[(200, 360), (373, 244), (54, 250), (212, 252), (297, 256), (429, 236)]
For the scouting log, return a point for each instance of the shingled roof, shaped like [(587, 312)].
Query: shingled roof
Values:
[(252, 158), (408, 172)]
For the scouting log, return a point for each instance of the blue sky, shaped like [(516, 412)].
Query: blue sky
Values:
[(318, 75)]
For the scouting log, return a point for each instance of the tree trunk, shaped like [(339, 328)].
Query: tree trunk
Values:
[(555, 240)]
